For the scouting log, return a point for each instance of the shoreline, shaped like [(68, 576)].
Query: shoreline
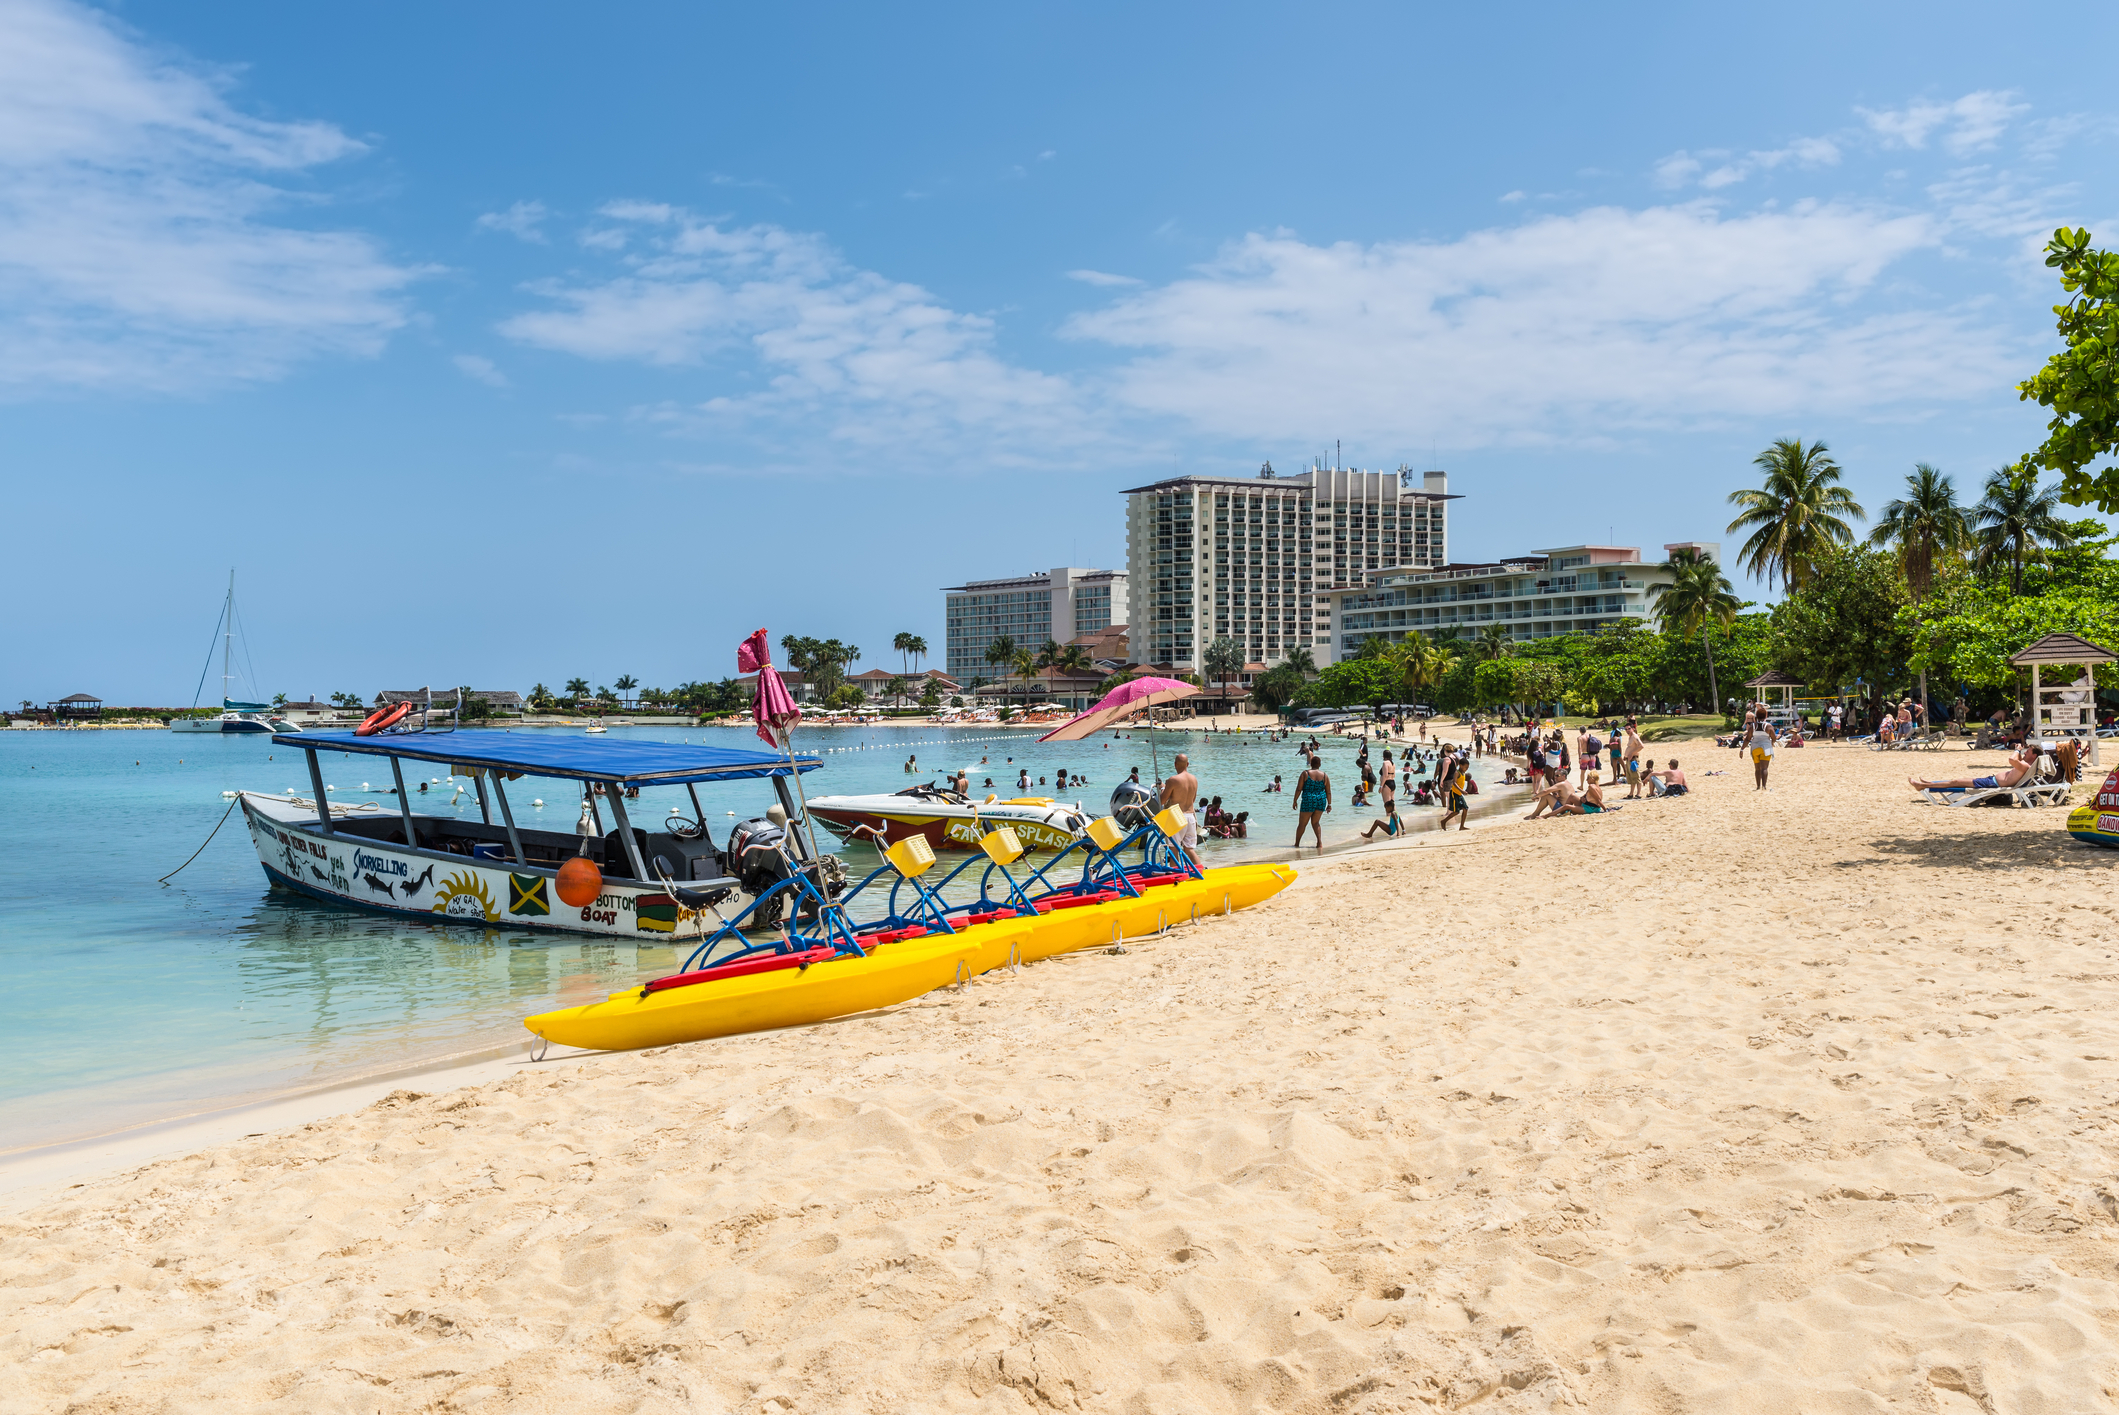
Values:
[(1829, 1131)]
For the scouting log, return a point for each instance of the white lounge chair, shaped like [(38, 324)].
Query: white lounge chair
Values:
[(2050, 783)]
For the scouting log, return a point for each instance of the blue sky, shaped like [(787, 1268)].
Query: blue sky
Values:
[(510, 343)]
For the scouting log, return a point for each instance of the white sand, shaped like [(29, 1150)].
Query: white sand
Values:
[(1788, 1103)]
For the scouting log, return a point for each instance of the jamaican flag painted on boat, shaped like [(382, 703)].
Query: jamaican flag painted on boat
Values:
[(528, 894), (655, 914)]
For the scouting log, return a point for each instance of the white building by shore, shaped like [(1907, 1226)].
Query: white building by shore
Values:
[(1576, 589), (1061, 605), (1257, 558)]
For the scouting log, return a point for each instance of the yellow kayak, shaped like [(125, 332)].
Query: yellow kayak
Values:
[(788, 996)]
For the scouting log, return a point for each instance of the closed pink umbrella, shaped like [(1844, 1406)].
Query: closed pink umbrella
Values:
[(773, 708), (1132, 696)]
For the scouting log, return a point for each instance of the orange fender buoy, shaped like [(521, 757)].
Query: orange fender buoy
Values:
[(580, 882)]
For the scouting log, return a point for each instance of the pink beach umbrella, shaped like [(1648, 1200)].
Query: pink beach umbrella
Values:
[(772, 707), (1134, 695)]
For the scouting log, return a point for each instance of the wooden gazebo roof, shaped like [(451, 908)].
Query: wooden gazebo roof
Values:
[(2062, 648)]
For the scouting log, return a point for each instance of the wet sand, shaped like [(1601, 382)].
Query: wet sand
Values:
[(1797, 1101)]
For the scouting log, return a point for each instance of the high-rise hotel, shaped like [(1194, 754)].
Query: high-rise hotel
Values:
[(1256, 558)]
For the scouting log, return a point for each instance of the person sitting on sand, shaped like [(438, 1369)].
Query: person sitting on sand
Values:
[(1553, 797), (1668, 783), (2019, 768), (1389, 824)]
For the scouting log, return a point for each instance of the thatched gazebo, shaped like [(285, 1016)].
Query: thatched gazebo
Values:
[(2068, 711)]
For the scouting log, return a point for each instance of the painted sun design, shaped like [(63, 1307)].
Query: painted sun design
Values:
[(464, 896)]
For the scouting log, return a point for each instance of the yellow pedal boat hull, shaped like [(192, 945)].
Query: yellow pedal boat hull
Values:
[(894, 972)]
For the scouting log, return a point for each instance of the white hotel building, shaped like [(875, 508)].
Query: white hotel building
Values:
[(1576, 589), (1062, 605), (1259, 558)]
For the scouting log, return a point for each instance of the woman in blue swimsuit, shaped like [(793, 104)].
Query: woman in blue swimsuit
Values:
[(1313, 798)]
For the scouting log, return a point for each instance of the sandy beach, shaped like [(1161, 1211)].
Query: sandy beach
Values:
[(1788, 1102)]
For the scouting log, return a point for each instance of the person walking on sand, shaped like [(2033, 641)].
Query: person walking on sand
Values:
[(1181, 789), (1454, 799), (1761, 749), (1313, 801), (1635, 751)]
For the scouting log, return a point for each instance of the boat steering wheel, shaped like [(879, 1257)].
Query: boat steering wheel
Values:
[(684, 828)]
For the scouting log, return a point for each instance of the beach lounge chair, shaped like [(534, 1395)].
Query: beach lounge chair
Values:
[(2051, 781)]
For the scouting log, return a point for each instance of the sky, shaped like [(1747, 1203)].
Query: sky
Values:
[(505, 344)]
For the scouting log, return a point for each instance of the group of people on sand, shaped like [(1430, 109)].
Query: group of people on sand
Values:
[(1447, 773)]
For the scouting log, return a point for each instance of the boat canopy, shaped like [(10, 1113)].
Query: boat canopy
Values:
[(582, 759)]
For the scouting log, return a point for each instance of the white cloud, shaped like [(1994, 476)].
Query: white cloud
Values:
[(482, 369), (1100, 277), (145, 239), (1560, 329), (522, 220), (1967, 125), (877, 360), (1684, 168)]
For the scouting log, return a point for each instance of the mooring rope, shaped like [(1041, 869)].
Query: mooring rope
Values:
[(206, 842)]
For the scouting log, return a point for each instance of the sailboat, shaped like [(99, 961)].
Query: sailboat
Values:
[(234, 716)]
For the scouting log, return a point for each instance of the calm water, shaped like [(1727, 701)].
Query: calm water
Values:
[(129, 1001)]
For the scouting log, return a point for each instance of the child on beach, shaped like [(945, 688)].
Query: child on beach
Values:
[(1455, 776)]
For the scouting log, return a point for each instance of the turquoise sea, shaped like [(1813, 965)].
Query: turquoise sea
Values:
[(129, 1001)]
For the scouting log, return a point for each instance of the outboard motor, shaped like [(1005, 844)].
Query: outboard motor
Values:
[(1133, 804), (757, 857)]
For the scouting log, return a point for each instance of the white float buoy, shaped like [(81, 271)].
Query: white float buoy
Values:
[(537, 803)]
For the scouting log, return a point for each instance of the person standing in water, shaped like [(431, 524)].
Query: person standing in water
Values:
[(1313, 801), (1181, 789)]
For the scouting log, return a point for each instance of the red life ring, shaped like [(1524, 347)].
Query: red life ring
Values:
[(382, 717)]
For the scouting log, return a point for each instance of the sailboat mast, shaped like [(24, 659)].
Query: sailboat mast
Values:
[(228, 640)]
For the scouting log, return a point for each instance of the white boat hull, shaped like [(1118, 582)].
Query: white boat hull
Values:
[(440, 887)]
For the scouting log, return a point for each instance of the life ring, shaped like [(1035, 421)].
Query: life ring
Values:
[(382, 717)]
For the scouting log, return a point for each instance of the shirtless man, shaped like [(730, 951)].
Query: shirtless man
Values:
[(1634, 750), (2018, 769), (1181, 789)]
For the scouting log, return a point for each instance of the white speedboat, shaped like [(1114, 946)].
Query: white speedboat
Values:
[(949, 821)]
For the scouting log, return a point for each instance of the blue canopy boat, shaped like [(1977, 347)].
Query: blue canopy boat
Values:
[(493, 871)]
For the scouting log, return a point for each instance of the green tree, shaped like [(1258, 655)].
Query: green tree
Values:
[(902, 642), (577, 688), (626, 683), (1534, 683), (2081, 382), (1491, 642), (821, 662), (1367, 680), (1698, 595), (1275, 688), (1925, 526), (1024, 665), (931, 695), (1300, 659), (895, 689), (917, 647), (2014, 521), (1971, 623), (1844, 625), (1001, 652), (1222, 661), (1795, 515)]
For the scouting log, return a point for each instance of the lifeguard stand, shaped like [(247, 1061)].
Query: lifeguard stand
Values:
[(1777, 690), (2065, 710)]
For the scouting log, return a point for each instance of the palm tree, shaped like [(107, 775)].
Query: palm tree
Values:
[(626, 683), (577, 688), (1001, 652), (1698, 594), (1049, 654), (1300, 659), (2014, 520), (1796, 514), (917, 647), (902, 642), (1025, 666), (1493, 642), (1074, 661), (1222, 661), (1926, 523)]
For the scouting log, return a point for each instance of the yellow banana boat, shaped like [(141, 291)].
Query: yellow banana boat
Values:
[(789, 995)]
